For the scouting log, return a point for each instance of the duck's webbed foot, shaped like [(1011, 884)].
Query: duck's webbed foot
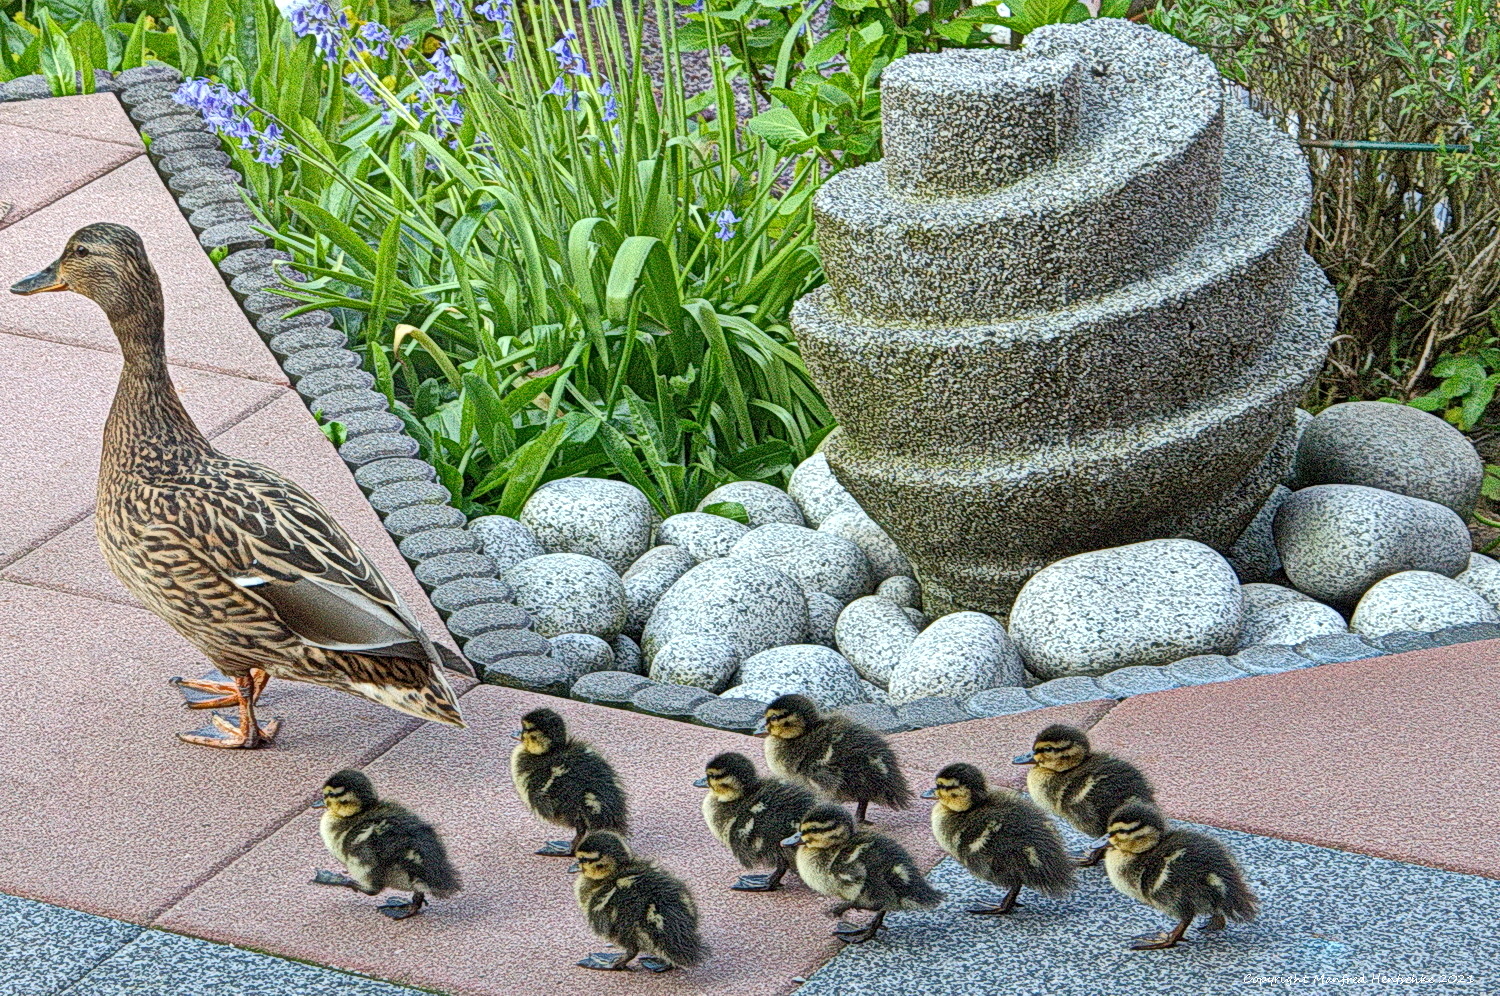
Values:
[(603, 961), (1157, 942), (399, 909), (325, 877), (653, 964), (248, 735), (855, 934), (838, 909), (1003, 907), (216, 691)]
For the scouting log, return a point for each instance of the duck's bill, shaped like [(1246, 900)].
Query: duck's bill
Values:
[(792, 841), (574, 868), (515, 734), (1024, 759), (763, 728), (930, 794), (319, 803), (39, 282), (1101, 842), (701, 783)]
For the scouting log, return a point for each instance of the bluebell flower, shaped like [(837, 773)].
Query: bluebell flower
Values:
[(573, 101), (242, 129), (726, 220), (596, 3), (696, 6), (443, 10), (372, 38), (611, 108), (404, 42), (444, 77), (494, 10), (510, 52), (558, 88), (270, 149), (606, 88), (317, 18), (361, 86)]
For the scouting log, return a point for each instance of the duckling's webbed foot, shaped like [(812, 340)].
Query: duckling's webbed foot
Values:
[(398, 909), (657, 965), (325, 877), (217, 691), (1000, 909), (603, 961), (754, 883), (1215, 922), (838, 910), (854, 934), (1092, 858), (1157, 942)]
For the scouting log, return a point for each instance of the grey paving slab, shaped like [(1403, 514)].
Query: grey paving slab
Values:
[(1331, 922), (45, 948), (164, 964)]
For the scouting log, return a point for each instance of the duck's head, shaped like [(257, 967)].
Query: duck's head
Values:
[(107, 264), (729, 776), (823, 826), (958, 787), (1057, 748), (348, 792), (541, 730), (789, 716), (1135, 827), (600, 855)]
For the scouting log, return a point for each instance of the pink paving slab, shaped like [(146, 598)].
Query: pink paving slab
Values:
[(205, 327), (56, 399), (283, 436), (97, 115), (516, 928), (39, 167), (1394, 757), (106, 811)]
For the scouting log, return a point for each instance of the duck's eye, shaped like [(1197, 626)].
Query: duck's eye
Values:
[(80, 251)]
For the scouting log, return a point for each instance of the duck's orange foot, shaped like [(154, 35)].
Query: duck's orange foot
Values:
[(215, 690), (227, 736)]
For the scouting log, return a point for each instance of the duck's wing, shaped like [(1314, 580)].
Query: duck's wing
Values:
[(276, 540)]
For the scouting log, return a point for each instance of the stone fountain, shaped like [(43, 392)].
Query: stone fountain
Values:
[(1070, 309)]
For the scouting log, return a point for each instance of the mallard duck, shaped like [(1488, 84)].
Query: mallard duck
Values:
[(565, 781), (833, 755), (864, 868), (383, 844), (999, 836), (633, 903), (751, 816), (1182, 873), (239, 560), (1080, 785)]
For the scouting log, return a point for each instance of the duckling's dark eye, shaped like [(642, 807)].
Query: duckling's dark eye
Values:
[(80, 250)]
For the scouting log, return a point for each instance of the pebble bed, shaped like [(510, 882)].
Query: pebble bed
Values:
[(1361, 552)]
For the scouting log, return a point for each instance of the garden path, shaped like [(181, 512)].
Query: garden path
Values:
[(130, 859)]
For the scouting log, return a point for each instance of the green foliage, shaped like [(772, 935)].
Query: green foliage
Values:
[(63, 38), (1466, 387), (1411, 239), (1028, 15)]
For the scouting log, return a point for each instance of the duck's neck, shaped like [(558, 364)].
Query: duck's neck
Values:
[(147, 422)]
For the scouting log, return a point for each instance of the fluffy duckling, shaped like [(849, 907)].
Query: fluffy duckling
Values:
[(833, 755), (865, 869), (999, 836), (1182, 873), (383, 844), (1080, 785), (751, 816), (633, 903), (565, 781)]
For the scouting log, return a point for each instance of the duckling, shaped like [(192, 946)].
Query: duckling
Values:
[(751, 816), (633, 903), (242, 562), (1080, 785), (864, 868), (1182, 873), (999, 836), (833, 755), (565, 781), (383, 844)]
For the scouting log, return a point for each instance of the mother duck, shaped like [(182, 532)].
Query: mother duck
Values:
[(239, 560)]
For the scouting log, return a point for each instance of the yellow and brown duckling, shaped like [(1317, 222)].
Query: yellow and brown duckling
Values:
[(383, 844), (1080, 785), (242, 562), (833, 755), (631, 902), (864, 868), (1182, 873), (999, 836), (751, 816), (565, 781)]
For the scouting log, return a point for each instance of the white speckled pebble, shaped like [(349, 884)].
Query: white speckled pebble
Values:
[(504, 540), (1483, 575), (703, 661), (648, 579), (817, 561), (609, 520), (873, 633), (822, 617), (815, 671), (1421, 601), (903, 590), (752, 605), (569, 593), (582, 654), (885, 557), (817, 492), (958, 655), (762, 502), (1290, 623), (701, 535)]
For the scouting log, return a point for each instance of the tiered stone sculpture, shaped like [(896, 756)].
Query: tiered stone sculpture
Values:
[(1070, 309)]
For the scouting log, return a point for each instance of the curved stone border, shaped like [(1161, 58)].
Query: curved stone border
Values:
[(476, 605)]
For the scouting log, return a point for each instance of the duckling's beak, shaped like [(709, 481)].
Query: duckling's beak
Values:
[(574, 868), (319, 803), (793, 840), (1101, 842), (930, 794), (42, 280), (515, 735), (1025, 759), (764, 727), (701, 783)]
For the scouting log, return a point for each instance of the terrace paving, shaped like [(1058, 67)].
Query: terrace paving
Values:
[(130, 857)]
